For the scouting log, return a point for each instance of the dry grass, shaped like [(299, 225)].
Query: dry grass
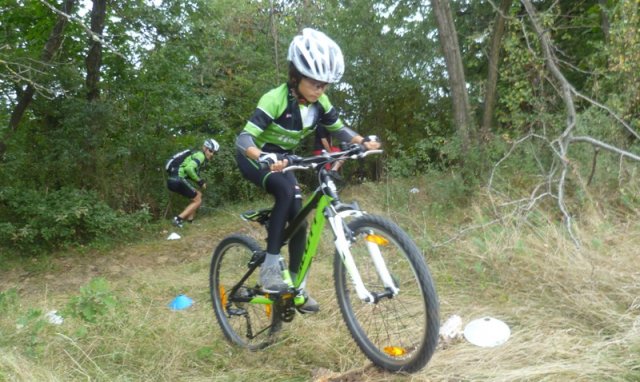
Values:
[(573, 313)]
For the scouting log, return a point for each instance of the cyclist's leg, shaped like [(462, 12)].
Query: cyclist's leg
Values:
[(297, 245), (281, 186), (183, 187), (283, 189), (288, 201), (189, 212)]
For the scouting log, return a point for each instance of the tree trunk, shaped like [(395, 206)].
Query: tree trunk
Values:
[(50, 48), (274, 35), (492, 76), (604, 23), (451, 49), (94, 57)]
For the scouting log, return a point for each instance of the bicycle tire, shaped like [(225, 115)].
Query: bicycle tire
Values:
[(252, 326), (399, 333)]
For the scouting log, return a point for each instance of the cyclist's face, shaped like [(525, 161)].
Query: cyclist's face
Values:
[(208, 153), (311, 89)]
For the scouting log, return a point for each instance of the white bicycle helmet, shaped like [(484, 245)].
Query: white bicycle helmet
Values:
[(316, 56), (211, 144)]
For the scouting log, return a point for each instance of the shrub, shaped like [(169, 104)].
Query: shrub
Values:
[(8, 299), (95, 300), (36, 221)]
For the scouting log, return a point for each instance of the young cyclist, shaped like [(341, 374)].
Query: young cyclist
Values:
[(283, 117), (189, 171)]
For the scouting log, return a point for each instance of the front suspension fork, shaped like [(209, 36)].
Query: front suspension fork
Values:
[(342, 245)]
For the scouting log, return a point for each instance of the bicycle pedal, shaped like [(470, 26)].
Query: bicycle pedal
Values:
[(236, 312), (248, 215), (259, 216), (257, 258)]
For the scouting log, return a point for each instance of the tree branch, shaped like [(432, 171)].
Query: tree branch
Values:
[(566, 92), (558, 172), (95, 37)]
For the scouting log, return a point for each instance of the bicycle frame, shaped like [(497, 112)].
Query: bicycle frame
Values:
[(328, 207)]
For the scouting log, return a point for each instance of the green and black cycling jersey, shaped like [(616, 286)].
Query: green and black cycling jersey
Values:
[(191, 166), (280, 122)]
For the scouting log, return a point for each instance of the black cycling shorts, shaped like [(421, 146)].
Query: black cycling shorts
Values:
[(182, 187)]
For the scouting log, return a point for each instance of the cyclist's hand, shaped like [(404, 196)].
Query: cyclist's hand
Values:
[(371, 142), (202, 184), (292, 159), (272, 161)]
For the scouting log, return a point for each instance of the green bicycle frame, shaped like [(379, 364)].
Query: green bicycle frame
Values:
[(315, 233), (318, 201)]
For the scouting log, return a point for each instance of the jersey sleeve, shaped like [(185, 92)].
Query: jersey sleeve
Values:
[(329, 117), (269, 107)]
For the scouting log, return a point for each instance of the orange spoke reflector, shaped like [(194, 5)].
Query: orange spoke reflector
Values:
[(267, 310), (394, 351), (377, 239), (223, 297)]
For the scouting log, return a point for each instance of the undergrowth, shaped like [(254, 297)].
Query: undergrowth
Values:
[(572, 311)]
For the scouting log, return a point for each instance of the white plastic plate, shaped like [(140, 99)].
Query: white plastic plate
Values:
[(487, 332)]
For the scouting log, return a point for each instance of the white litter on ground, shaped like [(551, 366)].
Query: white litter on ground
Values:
[(487, 332), (174, 236), (451, 329), (54, 318)]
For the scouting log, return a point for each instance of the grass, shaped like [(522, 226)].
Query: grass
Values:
[(573, 312)]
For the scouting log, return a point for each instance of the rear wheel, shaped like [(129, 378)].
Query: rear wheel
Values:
[(397, 333), (243, 323)]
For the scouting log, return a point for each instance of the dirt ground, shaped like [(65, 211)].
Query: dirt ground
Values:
[(68, 270)]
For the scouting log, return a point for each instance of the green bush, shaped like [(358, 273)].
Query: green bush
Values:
[(39, 221), (224, 181), (95, 300), (8, 299)]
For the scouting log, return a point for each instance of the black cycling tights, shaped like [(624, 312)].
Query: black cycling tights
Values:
[(288, 201)]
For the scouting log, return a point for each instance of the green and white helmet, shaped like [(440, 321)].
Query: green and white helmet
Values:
[(211, 144), (316, 56)]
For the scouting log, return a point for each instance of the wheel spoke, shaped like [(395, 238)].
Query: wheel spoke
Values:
[(251, 325), (397, 332)]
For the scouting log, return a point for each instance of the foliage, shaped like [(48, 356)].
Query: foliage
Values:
[(95, 300), (35, 221), (8, 299), (510, 270), (224, 182), (176, 72), (33, 324)]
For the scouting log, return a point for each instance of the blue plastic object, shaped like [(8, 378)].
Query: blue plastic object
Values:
[(181, 302)]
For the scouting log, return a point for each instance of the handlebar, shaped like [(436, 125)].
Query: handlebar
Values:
[(355, 151)]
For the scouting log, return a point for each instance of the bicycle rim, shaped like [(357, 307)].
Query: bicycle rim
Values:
[(398, 333), (252, 326)]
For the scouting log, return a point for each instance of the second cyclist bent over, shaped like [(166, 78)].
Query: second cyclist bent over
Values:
[(283, 117)]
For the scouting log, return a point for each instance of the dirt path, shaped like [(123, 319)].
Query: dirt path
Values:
[(67, 271)]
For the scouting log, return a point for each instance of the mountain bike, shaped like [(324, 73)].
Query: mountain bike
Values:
[(383, 285)]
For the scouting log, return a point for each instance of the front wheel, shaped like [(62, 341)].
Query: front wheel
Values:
[(397, 333), (248, 324)]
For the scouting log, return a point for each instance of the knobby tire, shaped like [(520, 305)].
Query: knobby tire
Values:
[(240, 321), (398, 333)]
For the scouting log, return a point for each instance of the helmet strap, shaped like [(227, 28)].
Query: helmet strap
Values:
[(297, 94)]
